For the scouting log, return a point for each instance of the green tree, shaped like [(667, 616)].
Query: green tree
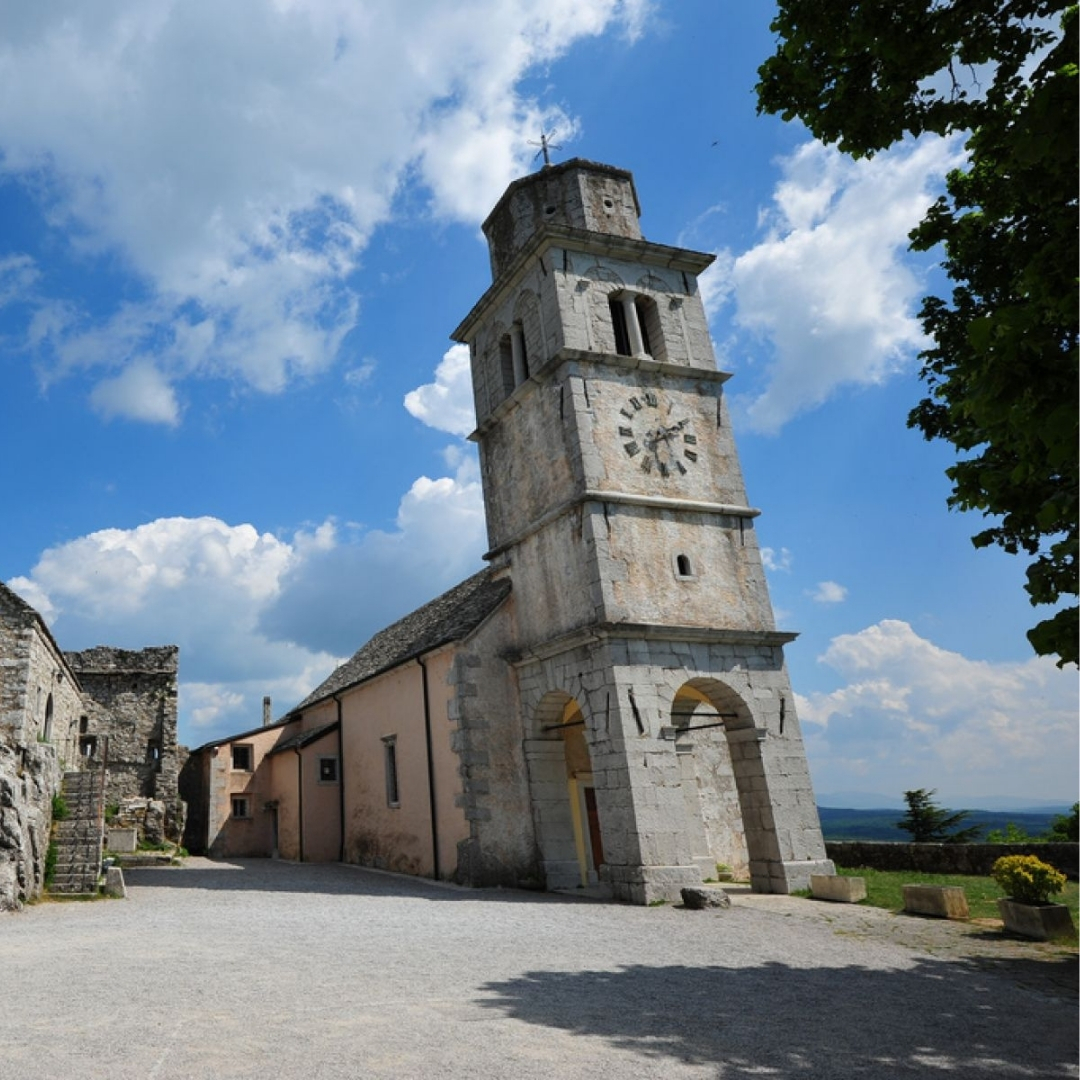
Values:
[(1066, 826), (928, 823), (1011, 834), (1002, 370)]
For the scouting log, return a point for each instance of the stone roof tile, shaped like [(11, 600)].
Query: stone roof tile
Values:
[(304, 738), (450, 617)]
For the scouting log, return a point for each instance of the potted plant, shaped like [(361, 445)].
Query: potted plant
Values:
[(1029, 883)]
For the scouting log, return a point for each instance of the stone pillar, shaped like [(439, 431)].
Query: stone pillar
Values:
[(783, 834), (633, 327), (546, 761)]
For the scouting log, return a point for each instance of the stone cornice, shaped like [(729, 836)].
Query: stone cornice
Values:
[(546, 371), (566, 237), (607, 632), (621, 498)]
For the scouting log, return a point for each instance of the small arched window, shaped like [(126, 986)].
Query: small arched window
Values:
[(506, 366), (513, 361), (684, 568), (46, 733)]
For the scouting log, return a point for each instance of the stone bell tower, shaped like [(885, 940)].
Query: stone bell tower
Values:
[(660, 732)]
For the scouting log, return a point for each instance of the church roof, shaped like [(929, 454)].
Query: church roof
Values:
[(450, 617), (304, 738)]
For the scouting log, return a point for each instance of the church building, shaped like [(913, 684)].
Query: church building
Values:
[(606, 704)]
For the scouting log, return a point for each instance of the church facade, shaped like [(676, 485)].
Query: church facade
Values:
[(605, 705)]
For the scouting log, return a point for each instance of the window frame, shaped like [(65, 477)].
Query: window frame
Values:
[(243, 801), (391, 772), (250, 749), (326, 759)]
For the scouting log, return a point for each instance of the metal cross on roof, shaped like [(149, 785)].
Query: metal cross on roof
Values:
[(545, 145)]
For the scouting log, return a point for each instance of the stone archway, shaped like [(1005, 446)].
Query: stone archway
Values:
[(562, 794), (729, 812)]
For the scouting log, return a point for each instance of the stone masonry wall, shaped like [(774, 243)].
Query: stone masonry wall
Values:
[(486, 735), (137, 695), (627, 691), (29, 777), (40, 708), (948, 858)]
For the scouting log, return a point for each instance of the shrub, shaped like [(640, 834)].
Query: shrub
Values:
[(1027, 879), (60, 809)]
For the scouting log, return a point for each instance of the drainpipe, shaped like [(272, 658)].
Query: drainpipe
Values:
[(341, 779), (300, 797), (430, 772)]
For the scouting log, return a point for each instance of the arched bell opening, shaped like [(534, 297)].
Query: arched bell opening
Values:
[(564, 804)]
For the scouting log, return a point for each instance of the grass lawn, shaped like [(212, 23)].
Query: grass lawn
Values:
[(884, 889)]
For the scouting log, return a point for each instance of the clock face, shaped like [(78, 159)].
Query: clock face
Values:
[(659, 441)]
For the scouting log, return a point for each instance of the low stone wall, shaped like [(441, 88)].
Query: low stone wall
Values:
[(947, 858)]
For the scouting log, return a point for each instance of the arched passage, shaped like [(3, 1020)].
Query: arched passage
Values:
[(719, 750), (562, 793)]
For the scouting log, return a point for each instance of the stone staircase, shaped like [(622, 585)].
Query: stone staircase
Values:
[(79, 836)]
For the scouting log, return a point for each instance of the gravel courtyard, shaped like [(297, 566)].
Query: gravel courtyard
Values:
[(272, 970)]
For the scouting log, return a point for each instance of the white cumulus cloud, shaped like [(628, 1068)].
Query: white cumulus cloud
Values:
[(255, 614), (236, 158), (911, 714), (828, 592), (777, 561), (341, 594), (829, 288), (447, 403), (139, 392)]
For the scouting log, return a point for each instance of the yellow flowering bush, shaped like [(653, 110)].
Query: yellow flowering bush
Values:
[(1027, 879)]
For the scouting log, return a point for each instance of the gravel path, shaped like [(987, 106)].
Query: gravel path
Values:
[(272, 970)]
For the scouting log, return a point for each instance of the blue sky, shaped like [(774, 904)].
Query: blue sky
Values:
[(234, 240)]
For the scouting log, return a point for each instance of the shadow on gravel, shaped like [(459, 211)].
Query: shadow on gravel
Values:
[(937, 1018), (274, 875)]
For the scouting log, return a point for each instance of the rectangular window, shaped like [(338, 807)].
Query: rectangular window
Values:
[(390, 758), (241, 806), (242, 757), (328, 773)]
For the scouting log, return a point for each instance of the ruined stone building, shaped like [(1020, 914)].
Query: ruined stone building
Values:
[(606, 704), (104, 708)]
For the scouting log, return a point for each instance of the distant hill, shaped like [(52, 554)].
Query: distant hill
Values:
[(871, 800), (880, 824)]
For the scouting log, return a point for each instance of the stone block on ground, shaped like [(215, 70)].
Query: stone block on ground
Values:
[(845, 890), (122, 840), (698, 898), (1043, 922), (114, 883), (939, 901)]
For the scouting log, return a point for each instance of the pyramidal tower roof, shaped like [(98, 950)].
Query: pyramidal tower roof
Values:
[(577, 193)]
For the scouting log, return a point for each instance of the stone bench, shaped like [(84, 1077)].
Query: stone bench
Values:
[(844, 890), (939, 901)]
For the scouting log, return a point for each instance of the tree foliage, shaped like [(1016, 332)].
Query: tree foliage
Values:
[(928, 823), (1001, 373), (1066, 826)]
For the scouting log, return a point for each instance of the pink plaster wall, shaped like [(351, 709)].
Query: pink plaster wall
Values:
[(399, 837), (227, 835)]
